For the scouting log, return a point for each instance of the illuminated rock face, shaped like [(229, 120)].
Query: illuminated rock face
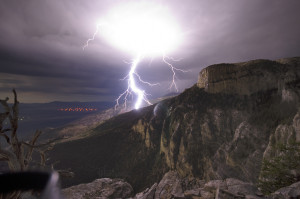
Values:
[(249, 77)]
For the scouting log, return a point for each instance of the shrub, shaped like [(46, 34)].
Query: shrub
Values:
[(282, 169)]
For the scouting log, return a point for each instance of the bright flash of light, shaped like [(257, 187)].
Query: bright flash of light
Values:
[(142, 29)]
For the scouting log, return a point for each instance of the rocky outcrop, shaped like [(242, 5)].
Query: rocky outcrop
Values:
[(284, 134), (249, 77), (172, 186), (281, 158), (100, 188)]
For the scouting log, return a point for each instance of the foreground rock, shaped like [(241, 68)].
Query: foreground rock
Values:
[(292, 191), (172, 186), (100, 188)]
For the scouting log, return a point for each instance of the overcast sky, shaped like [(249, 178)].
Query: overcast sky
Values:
[(41, 45)]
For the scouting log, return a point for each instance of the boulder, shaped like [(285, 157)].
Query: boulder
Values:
[(147, 194), (170, 186), (100, 188), (292, 191)]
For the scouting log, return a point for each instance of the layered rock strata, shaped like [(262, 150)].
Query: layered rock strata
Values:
[(250, 77)]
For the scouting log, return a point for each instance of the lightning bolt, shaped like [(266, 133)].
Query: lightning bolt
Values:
[(132, 87), (94, 35), (165, 59), (133, 76)]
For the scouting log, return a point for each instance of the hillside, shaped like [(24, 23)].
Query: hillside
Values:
[(220, 128), (82, 126)]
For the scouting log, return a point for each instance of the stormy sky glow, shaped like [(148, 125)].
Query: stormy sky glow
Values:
[(142, 29), (41, 44)]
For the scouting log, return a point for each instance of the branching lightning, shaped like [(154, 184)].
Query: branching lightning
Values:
[(145, 35), (173, 69), (132, 87)]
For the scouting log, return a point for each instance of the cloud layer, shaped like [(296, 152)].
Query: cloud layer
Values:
[(41, 45)]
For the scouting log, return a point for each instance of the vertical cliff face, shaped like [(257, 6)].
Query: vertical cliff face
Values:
[(216, 136), (218, 129), (221, 128)]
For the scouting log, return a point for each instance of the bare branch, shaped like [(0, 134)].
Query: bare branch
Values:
[(19, 154), (47, 145), (15, 116), (10, 158), (31, 145), (43, 158)]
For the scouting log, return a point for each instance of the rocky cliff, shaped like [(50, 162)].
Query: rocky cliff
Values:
[(220, 128), (250, 77)]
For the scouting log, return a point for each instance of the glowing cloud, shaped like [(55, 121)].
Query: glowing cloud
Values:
[(143, 29)]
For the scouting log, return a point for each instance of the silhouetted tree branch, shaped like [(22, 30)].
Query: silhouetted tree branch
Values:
[(18, 154)]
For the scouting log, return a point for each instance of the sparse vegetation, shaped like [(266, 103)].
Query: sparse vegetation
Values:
[(282, 169)]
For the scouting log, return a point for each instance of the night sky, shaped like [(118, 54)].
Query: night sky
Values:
[(41, 45)]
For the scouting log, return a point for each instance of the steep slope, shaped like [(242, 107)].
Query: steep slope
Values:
[(215, 130)]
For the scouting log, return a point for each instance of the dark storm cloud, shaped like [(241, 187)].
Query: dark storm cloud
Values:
[(41, 44)]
